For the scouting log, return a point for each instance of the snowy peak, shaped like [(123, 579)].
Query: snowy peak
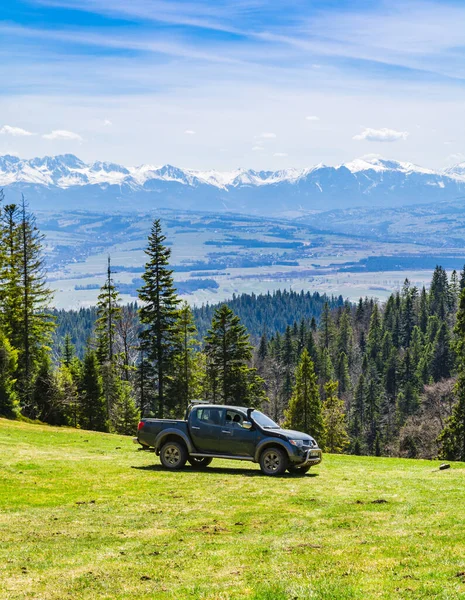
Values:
[(380, 165), (67, 170), (457, 171), (362, 182)]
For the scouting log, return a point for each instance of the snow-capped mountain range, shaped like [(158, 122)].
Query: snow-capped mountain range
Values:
[(65, 181)]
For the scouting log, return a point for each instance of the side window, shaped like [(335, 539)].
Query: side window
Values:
[(209, 416), (234, 418)]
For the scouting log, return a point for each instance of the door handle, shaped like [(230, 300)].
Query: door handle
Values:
[(226, 431), (194, 427)]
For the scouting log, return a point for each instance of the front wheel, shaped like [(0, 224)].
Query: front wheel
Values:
[(296, 470), (198, 462), (273, 461), (173, 455)]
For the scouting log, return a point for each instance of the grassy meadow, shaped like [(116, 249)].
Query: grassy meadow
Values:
[(85, 515)]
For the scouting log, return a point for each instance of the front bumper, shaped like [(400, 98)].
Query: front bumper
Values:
[(312, 457)]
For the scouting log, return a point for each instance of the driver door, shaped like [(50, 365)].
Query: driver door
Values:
[(236, 440)]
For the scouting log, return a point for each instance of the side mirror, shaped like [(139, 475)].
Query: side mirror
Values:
[(246, 425)]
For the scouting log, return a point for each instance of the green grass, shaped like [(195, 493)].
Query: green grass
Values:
[(87, 515)]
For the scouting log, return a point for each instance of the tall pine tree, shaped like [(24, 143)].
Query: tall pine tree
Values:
[(305, 410), (159, 315), (230, 380)]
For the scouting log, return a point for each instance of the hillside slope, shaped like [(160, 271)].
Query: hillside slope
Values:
[(86, 515)]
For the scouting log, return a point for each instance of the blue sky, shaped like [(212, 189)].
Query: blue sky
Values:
[(222, 84)]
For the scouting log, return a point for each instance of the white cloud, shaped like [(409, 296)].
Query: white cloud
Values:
[(107, 123), (267, 136), (381, 135), (257, 148), (280, 154), (14, 131), (312, 118), (189, 132), (62, 134)]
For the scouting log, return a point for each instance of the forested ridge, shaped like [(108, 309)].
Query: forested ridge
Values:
[(259, 313), (362, 378)]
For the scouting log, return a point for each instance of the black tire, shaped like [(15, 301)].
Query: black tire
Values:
[(173, 455), (199, 463), (273, 461), (296, 470)]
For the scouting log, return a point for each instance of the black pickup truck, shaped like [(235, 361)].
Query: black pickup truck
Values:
[(212, 431)]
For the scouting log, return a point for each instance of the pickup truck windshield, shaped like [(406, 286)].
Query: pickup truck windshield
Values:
[(263, 420)]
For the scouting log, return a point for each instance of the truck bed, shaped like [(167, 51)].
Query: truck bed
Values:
[(152, 427)]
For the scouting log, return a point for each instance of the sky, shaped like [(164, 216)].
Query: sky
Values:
[(222, 84)]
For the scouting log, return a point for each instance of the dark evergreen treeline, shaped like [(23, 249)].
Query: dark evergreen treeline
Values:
[(79, 325), (394, 366), (271, 312), (364, 378)]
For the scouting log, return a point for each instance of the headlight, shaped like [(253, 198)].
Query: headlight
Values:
[(298, 443)]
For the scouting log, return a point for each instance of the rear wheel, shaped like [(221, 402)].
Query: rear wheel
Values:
[(296, 470), (173, 455), (198, 462), (273, 461)]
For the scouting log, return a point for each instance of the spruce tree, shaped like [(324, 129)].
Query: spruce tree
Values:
[(9, 405), (263, 347), (408, 314), (10, 274), (442, 360), (159, 314), (26, 298), (125, 415), (345, 336), (67, 353), (337, 438), (372, 409), (357, 417), (454, 292), (462, 279), (305, 410), (145, 386), (288, 360), (325, 366), (109, 314), (228, 351), (375, 337), (93, 413), (452, 438), (327, 329), (439, 294), (423, 316), (342, 374), (187, 376)]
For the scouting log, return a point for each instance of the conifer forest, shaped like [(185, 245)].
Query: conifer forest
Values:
[(365, 378)]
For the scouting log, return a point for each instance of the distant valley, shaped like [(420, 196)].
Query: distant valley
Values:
[(353, 230), (351, 253)]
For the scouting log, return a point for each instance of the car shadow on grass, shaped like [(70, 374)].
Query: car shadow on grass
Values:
[(220, 470)]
